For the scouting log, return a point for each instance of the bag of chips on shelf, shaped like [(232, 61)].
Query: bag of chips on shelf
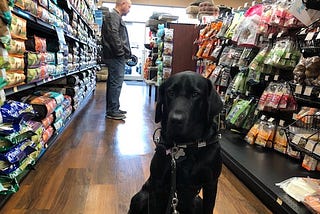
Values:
[(252, 134), (266, 131)]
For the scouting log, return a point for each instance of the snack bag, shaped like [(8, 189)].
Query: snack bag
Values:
[(252, 134)]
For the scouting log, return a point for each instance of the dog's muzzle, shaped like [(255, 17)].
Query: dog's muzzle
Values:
[(177, 118)]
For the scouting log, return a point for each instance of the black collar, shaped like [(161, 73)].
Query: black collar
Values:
[(193, 144), (198, 143)]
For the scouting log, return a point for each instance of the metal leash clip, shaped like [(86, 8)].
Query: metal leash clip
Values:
[(156, 137), (174, 203)]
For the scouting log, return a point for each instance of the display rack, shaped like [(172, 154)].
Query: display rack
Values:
[(82, 63), (260, 169), (51, 142)]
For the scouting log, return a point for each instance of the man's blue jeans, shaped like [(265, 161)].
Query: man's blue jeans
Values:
[(116, 69)]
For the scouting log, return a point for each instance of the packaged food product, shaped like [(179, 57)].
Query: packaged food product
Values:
[(44, 106), (48, 132), (8, 185), (46, 122), (43, 13), (31, 6), (18, 27), (4, 58), (17, 46), (16, 63), (32, 59), (43, 3), (36, 44), (20, 4), (50, 58), (33, 74)]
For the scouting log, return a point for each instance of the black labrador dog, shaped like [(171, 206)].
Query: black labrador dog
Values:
[(187, 156)]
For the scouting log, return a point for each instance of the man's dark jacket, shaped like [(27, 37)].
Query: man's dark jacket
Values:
[(115, 40)]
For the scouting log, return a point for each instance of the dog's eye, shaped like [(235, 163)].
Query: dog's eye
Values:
[(195, 94), (170, 93)]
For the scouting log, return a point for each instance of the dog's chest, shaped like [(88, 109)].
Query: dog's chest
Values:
[(188, 170)]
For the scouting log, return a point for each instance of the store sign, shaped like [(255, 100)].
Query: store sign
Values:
[(306, 16)]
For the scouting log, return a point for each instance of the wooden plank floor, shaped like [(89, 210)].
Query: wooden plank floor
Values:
[(97, 165)]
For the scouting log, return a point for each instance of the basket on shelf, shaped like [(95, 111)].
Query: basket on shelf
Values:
[(304, 135)]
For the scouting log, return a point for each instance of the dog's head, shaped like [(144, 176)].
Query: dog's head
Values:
[(186, 106)]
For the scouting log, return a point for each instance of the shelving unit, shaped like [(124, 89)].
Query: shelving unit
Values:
[(80, 41), (51, 142), (260, 169)]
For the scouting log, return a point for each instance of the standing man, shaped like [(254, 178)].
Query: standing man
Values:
[(115, 52)]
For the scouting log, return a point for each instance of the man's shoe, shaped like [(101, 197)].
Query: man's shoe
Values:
[(116, 116), (122, 112)]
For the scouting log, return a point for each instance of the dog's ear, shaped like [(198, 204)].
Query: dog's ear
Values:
[(215, 103), (159, 106)]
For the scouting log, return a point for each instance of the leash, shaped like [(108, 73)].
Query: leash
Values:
[(173, 200)]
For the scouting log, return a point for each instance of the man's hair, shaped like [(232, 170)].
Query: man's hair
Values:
[(118, 2)]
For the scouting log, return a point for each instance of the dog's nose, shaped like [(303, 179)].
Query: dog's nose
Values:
[(177, 117)]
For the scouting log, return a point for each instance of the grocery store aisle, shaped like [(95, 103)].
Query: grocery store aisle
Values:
[(97, 165)]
